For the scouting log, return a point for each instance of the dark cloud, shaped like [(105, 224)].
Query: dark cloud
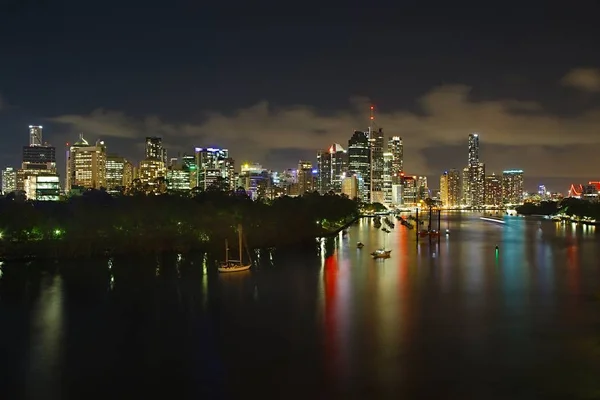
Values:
[(586, 79)]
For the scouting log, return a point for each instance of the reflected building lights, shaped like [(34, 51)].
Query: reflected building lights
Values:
[(46, 338)]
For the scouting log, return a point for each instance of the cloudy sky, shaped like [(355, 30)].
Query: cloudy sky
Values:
[(276, 81)]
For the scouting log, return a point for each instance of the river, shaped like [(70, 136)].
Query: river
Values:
[(453, 320)]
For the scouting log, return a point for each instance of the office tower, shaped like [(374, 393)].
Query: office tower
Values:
[(350, 187), (422, 188), (155, 149), (332, 164), (119, 173), (453, 188), (473, 149), (9, 180), (178, 176), (410, 190), (359, 163), (86, 165), (512, 187), (214, 167), (396, 148), (444, 189), (493, 190), (377, 161), (388, 165), (306, 177), (474, 175), (35, 135), (255, 180), (42, 187)]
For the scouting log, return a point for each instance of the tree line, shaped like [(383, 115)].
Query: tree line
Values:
[(97, 222)]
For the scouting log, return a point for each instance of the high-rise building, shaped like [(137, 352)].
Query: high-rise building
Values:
[(39, 157), (444, 189), (474, 175), (35, 135), (473, 150), (451, 198), (332, 165), (410, 191), (512, 187), (255, 180), (422, 188), (388, 165), (350, 187), (9, 180), (214, 165), (493, 190), (359, 162), (377, 150), (119, 173), (42, 187), (306, 177), (86, 165), (396, 148), (178, 176), (476, 185), (155, 149), (150, 170)]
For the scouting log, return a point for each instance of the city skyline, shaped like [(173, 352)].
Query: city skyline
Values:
[(276, 101)]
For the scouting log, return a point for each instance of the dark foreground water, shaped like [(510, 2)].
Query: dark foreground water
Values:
[(447, 321)]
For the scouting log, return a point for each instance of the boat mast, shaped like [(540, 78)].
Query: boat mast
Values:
[(240, 240), (226, 252)]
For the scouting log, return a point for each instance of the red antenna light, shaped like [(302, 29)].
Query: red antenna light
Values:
[(372, 108)]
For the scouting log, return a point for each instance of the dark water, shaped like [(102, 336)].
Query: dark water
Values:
[(447, 321)]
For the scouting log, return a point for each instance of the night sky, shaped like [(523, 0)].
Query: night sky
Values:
[(276, 81)]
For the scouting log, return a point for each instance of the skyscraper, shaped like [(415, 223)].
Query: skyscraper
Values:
[(119, 173), (359, 162), (35, 135), (155, 149), (377, 149), (9, 180), (512, 187), (493, 190), (473, 150), (86, 165), (396, 148), (332, 165), (214, 165), (475, 175), (388, 164)]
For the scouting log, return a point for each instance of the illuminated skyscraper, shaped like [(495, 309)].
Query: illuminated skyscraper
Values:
[(512, 187), (35, 135), (306, 177), (119, 173), (359, 162), (377, 150), (388, 168), (396, 148), (155, 149), (493, 190), (9, 180), (332, 164), (86, 165), (473, 150), (214, 165), (474, 175)]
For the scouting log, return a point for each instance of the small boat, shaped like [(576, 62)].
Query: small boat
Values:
[(381, 253), (234, 265), (360, 245)]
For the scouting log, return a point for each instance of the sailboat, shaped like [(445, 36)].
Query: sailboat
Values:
[(234, 265), (382, 253)]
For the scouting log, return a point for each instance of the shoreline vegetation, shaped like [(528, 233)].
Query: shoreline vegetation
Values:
[(572, 209), (98, 224)]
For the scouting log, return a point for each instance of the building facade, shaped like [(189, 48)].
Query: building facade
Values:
[(512, 187), (359, 162), (493, 191), (9, 180), (86, 165)]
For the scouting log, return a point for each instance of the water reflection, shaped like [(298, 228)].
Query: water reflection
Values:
[(46, 340)]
